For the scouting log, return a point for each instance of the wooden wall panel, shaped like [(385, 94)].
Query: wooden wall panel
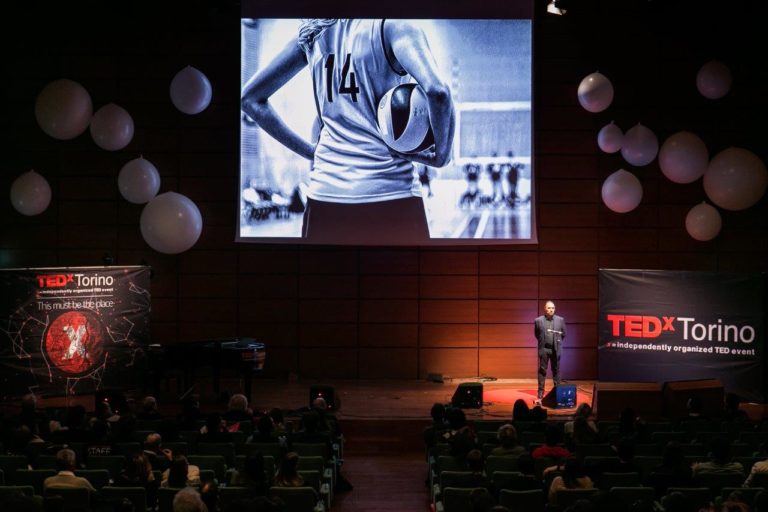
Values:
[(448, 262), (508, 262), (389, 261), (335, 310), (396, 311), (389, 287), (388, 363), (508, 311), (319, 363), (568, 263), (507, 335), (280, 335), (568, 287), (389, 335), (508, 287), (509, 362), (207, 286), (328, 287), (448, 311), (448, 335), (448, 287), (267, 310), (266, 286), (328, 335), (451, 362), (207, 310)]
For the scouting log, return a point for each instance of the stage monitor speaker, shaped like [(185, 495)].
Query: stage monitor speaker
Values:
[(613, 397), (116, 400), (469, 395), (326, 393), (560, 397), (435, 377), (709, 392)]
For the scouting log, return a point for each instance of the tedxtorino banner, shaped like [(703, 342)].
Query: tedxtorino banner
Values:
[(660, 326), (66, 331)]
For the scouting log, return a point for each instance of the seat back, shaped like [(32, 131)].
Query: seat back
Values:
[(10, 463), (112, 463), (75, 499), (567, 497), (214, 462), (312, 478), (608, 480), (313, 463), (311, 449), (454, 479), (47, 462), (165, 497), (9, 490), (136, 495), (716, 481), (458, 499), (522, 501), (33, 477), (695, 497), (271, 449), (747, 493), (98, 477), (296, 499), (495, 463), (629, 495), (178, 447), (229, 495), (226, 450)]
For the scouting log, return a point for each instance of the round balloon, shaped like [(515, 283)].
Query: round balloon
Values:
[(610, 138), (191, 91), (713, 80), (171, 223), (703, 222), (622, 191), (640, 146), (112, 127), (735, 179), (683, 157), (63, 109), (138, 181), (30, 193), (595, 92)]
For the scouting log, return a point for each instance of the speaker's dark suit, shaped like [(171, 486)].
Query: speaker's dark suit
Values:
[(550, 346)]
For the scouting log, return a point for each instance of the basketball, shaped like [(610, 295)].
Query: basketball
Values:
[(403, 118)]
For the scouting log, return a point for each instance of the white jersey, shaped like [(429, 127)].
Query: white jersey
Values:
[(350, 73)]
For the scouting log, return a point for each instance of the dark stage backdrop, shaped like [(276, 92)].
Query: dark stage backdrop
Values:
[(72, 330), (664, 326)]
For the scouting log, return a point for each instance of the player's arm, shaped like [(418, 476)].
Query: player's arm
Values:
[(262, 85), (410, 48)]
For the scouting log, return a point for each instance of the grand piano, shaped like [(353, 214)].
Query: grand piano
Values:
[(188, 360)]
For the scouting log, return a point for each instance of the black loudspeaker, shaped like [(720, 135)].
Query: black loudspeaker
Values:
[(116, 400), (469, 395), (560, 397), (324, 392)]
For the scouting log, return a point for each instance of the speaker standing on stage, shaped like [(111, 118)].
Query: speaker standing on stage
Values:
[(549, 330)]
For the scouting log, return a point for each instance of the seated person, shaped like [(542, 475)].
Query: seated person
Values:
[(288, 475), (573, 477), (66, 463), (721, 461), (508, 443), (181, 474), (159, 458), (552, 437)]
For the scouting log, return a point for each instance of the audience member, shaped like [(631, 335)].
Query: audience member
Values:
[(181, 474), (459, 435), (66, 463), (433, 432), (252, 475), (758, 468), (188, 500), (237, 410), (720, 462), (149, 409), (210, 496), (731, 411), (138, 473), (573, 477), (520, 411), (508, 442), (287, 475), (215, 430), (553, 436), (673, 471), (159, 458)]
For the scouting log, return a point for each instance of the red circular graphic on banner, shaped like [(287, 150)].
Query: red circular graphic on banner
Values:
[(74, 341)]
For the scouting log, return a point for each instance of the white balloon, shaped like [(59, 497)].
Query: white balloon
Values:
[(713, 80), (622, 191), (610, 138), (683, 157), (63, 109), (171, 223), (138, 181), (640, 146), (735, 179), (30, 193), (191, 91), (703, 222), (112, 127), (595, 92)]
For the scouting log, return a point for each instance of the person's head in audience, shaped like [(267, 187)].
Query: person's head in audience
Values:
[(526, 464), (277, 416), (584, 410), (177, 472), (572, 470), (319, 404), (149, 405), (456, 418), (673, 455), (538, 414), (66, 460), (720, 448), (265, 425), (475, 461), (214, 423), (627, 421), (437, 413), (552, 435), (153, 442), (520, 410), (507, 435), (580, 506), (138, 468), (288, 475), (239, 403), (188, 500), (28, 403), (209, 492), (253, 467), (582, 431)]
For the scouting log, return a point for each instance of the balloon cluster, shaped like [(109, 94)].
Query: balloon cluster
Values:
[(735, 179), (170, 223)]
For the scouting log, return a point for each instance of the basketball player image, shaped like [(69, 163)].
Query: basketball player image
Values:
[(359, 187)]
